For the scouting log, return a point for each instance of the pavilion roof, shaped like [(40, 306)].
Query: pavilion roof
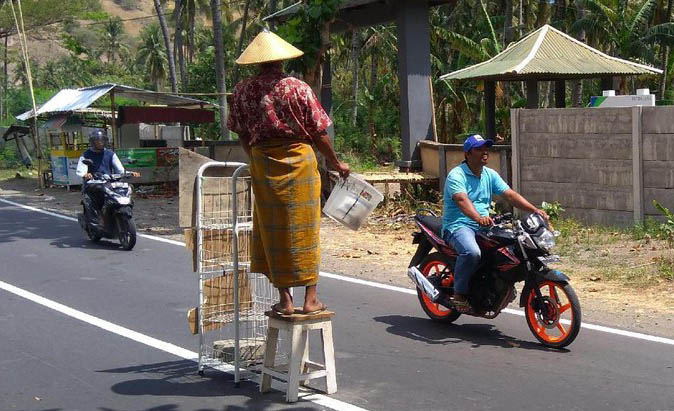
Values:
[(549, 54)]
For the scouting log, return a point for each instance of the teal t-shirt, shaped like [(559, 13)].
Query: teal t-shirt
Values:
[(479, 191)]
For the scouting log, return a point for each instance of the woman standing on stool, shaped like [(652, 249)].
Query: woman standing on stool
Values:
[(277, 118)]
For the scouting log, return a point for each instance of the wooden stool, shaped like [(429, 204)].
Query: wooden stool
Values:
[(299, 368)]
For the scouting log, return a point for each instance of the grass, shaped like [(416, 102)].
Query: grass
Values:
[(635, 256), (9, 173)]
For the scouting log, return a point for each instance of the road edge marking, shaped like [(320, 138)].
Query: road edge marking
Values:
[(594, 327), (319, 399)]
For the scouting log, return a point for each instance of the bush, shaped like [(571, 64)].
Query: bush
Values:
[(554, 210)]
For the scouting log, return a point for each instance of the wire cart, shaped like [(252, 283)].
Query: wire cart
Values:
[(232, 300)]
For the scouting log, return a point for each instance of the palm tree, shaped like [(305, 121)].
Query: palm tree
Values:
[(152, 55), (624, 29), (167, 44), (113, 39)]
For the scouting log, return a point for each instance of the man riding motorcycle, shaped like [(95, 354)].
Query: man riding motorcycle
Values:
[(467, 198), (105, 162)]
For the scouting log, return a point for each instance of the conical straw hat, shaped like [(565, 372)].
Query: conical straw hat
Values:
[(267, 47)]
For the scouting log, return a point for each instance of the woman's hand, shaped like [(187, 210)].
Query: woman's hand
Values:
[(343, 169)]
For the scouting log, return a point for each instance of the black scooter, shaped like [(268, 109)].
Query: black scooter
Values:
[(117, 209)]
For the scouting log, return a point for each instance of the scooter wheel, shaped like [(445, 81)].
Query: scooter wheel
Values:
[(127, 232)]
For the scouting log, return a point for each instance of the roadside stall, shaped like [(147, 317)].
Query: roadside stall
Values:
[(145, 137)]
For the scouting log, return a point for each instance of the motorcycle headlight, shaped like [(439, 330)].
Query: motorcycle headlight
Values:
[(546, 240)]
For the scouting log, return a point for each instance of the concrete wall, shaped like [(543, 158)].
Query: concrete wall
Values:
[(604, 165)]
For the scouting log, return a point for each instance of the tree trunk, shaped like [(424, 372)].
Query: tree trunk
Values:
[(508, 24), (665, 55), (220, 68), (272, 10), (355, 48), (167, 43), (373, 84), (241, 38), (191, 14), (177, 17), (543, 13), (577, 85)]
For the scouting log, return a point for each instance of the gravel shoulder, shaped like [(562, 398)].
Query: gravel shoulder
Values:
[(381, 252)]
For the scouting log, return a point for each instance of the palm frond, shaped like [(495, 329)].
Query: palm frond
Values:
[(466, 46), (643, 16)]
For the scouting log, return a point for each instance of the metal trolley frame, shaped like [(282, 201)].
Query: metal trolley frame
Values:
[(232, 300)]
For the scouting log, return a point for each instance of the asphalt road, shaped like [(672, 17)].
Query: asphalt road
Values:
[(75, 356)]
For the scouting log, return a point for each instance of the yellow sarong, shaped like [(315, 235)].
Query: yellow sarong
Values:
[(287, 213)]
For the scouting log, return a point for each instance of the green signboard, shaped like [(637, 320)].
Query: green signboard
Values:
[(137, 157)]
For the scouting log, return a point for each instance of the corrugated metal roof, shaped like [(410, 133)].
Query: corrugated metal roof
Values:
[(549, 54), (68, 100)]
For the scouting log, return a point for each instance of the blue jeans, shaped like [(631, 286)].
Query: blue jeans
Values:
[(463, 241)]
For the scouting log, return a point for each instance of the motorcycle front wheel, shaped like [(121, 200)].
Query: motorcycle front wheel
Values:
[(555, 318), (127, 232), (434, 264)]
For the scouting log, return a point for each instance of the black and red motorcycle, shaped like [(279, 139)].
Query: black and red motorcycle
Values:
[(512, 251)]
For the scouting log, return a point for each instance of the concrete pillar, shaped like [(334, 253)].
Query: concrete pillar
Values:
[(414, 70), (637, 165), (490, 109), (560, 93), (532, 94)]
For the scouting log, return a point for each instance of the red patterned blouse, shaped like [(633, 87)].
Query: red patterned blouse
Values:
[(274, 105)]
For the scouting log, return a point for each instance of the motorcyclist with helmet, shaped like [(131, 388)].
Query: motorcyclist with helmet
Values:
[(105, 161)]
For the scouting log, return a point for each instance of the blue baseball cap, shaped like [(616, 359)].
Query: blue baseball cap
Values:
[(475, 141)]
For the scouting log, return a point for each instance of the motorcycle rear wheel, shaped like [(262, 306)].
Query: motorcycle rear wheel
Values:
[(127, 232), (557, 323), (430, 265)]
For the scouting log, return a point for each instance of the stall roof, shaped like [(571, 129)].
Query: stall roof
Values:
[(68, 100), (549, 54)]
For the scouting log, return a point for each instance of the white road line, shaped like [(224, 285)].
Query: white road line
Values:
[(600, 328), (180, 352)]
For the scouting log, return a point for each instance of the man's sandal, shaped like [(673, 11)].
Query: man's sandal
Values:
[(461, 306)]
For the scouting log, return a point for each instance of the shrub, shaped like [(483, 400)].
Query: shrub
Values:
[(666, 228), (554, 210)]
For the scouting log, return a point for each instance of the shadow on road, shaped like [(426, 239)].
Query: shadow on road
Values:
[(180, 379), (429, 332), (61, 233)]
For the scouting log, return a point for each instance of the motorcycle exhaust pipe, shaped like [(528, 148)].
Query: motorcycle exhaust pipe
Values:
[(423, 284)]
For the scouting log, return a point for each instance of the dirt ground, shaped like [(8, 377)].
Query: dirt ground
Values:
[(381, 252)]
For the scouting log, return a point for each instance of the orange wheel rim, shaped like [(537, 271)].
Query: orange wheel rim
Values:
[(430, 269), (553, 322)]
